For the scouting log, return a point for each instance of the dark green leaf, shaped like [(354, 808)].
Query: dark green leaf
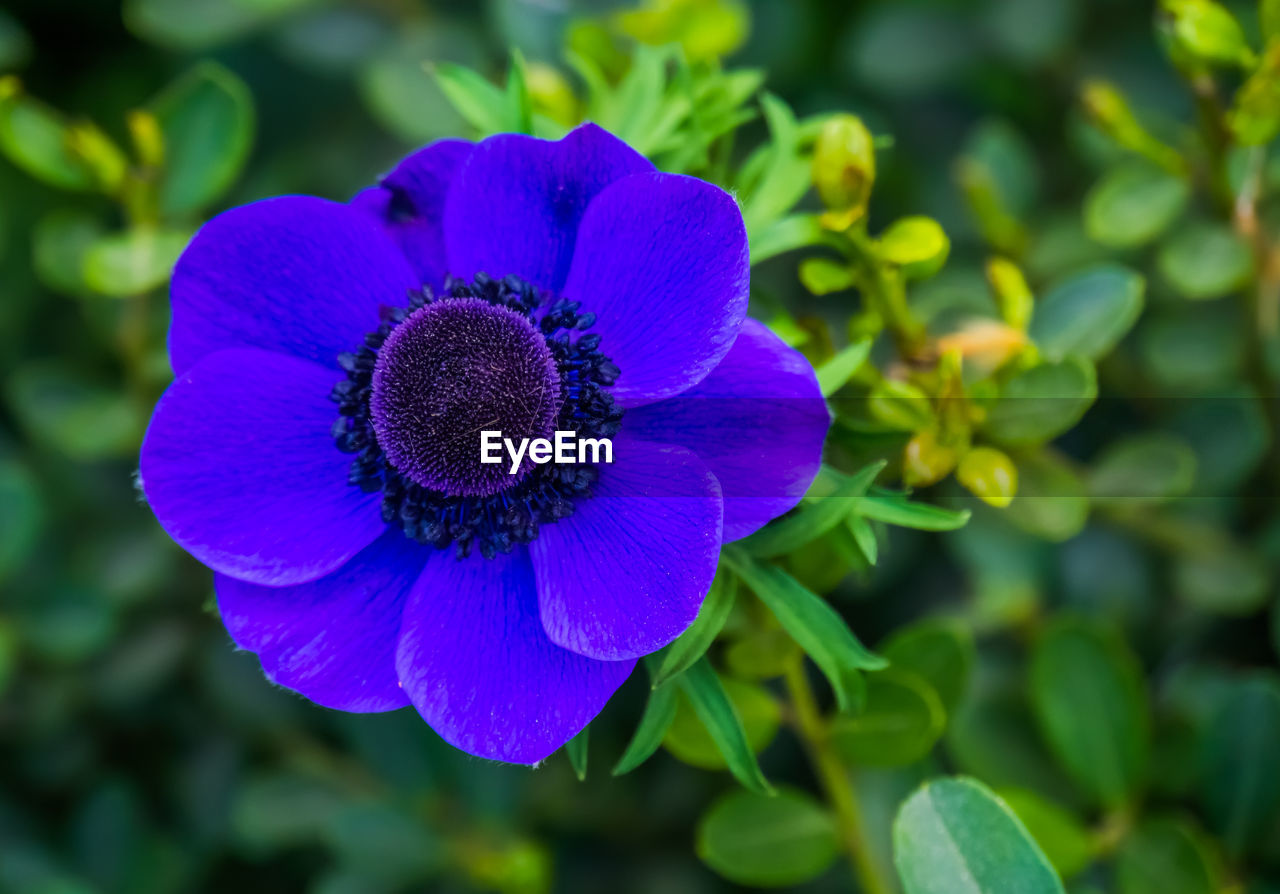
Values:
[(1133, 204), (693, 643), (898, 725), (821, 512), (1205, 261), (1144, 467), (953, 836), (1087, 314), (1241, 776), (654, 723), (1042, 402), (1051, 501), (576, 749), (1165, 856), (763, 841), (1062, 835), (940, 651), (706, 693), (1089, 695)]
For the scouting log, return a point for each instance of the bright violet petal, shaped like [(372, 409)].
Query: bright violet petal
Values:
[(334, 639), (410, 203), (240, 468), (515, 205), (297, 275), (477, 665), (758, 421), (662, 261), (627, 572)]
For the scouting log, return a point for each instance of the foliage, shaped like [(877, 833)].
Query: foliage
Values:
[(1014, 636)]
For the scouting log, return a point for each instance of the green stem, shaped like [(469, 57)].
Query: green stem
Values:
[(834, 779), (885, 291)]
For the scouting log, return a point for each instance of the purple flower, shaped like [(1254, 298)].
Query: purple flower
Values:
[(319, 449)]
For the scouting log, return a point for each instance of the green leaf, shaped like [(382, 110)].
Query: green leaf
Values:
[(811, 621), (703, 688), (38, 140), (899, 724), (833, 374), (196, 24), (816, 515), (896, 509), (940, 651), (1209, 32), (900, 405), (693, 643), (917, 244), (822, 276), (15, 43), (482, 104), (1042, 402), (1241, 777), (576, 749), (654, 723), (1051, 503), (1225, 579), (1133, 204), (788, 234), (1165, 856), (22, 516), (764, 841), (689, 740), (133, 262), (83, 420), (762, 654), (953, 836), (785, 178), (384, 843), (1088, 313), (1149, 467), (60, 242), (1206, 261), (1062, 835), (1090, 699), (207, 120)]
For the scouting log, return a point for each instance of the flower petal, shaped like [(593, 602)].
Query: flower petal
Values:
[(758, 421), (240, 469), (662, 261), (334, 639), (627, 572), (410, 204), (515, 205), (296, 274), (478, 666)]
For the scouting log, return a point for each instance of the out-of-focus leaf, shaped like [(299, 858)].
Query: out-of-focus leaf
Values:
[(1089, 696), (785, 178), (693, 643), (659, 712), (60, 242), (1144, 467), (401, 94), (1255, 117), (722, 722), (207, 120), (1208, 31), (833, 374), (68, 628), (990, 475), (15, 44), (1062, 835), (195, 24), (1227, 579), (904, 49), (383, 843), (133, 262), (1206, 261), (1133, 204), (1088, 313), (761, 654), (38, 139), (917, 244), (953, 836), (822, 276), (815, 516), (895, 509), (482, 104), (940, 651), (22, 515), (1042, 402), (774, 841), (898, 725), (788, 234), (1166, 856), (900, 405), (283, 809), (992, 735), (576, 749), (811, 621), (1241, 777), (85, 421)]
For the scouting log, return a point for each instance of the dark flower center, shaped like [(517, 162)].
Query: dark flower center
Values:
[(451, 370), (489, 355)]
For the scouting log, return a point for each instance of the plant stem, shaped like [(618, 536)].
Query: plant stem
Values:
[(834, 779)]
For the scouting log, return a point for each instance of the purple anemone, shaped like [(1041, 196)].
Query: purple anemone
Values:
[(335, 364)]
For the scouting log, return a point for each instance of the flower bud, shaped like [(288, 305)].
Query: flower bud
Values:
[(989, 475), (844, 166)]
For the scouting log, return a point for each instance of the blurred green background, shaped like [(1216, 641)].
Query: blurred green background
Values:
[(140, 753)]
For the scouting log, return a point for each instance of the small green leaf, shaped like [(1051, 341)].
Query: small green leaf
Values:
[(479, 102), (1166, 856), (917, 244), (207, 120), (1052, 502), (1088, 313), (1133, 204), (133, 262), (60, 243), (1088, 692), (693, 643), (38, 139), (940, 651), (84, 420), (762, 654), (22, 517), (785, 178), (518, 104), (900, 405), (576, 749), (1205, 261), (811, 621), (896, 509), (1241, 777), (1150, 467), (1255, 117), (702, 686), (1209, 32), (822, 276), (1225, 579), (898, 725), (1042, 402), (788, 234), (776, 841), (654, 723), (815, 517), (953, 836), (1060, 834), (833, 374)]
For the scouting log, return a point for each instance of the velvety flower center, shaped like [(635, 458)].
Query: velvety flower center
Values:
[(488, 355), (451, 370)]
